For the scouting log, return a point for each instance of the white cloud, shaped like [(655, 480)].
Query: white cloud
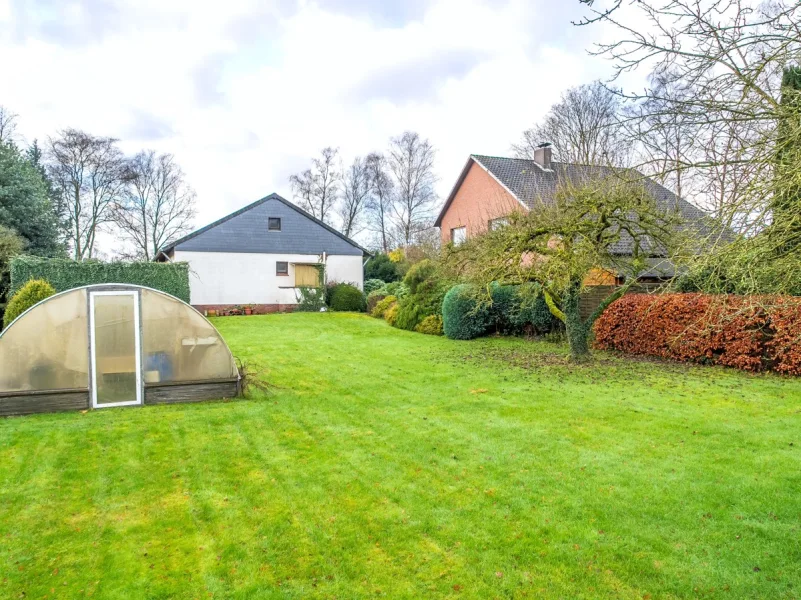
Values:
[(244, 95)]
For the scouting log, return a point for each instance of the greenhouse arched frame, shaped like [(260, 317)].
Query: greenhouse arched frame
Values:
[(108, 345)]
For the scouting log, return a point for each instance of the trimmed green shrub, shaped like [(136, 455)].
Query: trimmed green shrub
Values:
[(344, 297), (521, 309), (29, 295), (391, 314), (431, 325), (381, 267), (463, 316), (382, 306), (372, 285), (64, 274)]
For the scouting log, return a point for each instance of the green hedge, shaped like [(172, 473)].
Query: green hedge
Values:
[(467, 314), (64, 274), (520, 309), (463, 316)]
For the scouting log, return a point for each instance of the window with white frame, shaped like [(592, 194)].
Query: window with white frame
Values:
[(458, 235)]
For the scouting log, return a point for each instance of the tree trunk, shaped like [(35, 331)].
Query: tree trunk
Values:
[(577, 330)]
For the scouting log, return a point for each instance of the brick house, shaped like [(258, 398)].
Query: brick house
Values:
[(490, 188)]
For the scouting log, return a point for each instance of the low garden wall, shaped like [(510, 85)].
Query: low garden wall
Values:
[(748, 333)]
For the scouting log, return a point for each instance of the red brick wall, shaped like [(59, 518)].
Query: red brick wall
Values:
[(479, 199), (258, 309)]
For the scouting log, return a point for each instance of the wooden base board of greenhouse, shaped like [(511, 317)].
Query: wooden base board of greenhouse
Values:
[(27, 403)]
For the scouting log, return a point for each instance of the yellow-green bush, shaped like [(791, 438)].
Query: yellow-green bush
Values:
[(391, 314), (426, 291), (28, 295), (382, 306), (431, 325)]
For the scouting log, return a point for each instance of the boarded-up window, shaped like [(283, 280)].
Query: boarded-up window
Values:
[(307, 276)]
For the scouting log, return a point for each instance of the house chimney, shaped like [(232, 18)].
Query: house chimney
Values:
[(542, 155)]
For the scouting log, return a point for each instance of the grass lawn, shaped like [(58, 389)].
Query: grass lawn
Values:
[(390, 464)]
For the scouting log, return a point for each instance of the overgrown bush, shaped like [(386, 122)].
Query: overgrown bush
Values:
[(374, 298), (381, 267), (464, 316), (29, 295), (344, 297), (391, 314), (382, 306), (370, 285), (310, 299), (426, 292), (395, 288), (431, 325), (64, 274), (749, 333)]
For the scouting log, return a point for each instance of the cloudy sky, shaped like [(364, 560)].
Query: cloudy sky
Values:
[(244, 92)]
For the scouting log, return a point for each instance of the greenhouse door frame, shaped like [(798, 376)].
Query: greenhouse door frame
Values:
[(137, 346)]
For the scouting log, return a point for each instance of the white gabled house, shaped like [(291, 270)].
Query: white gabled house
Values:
[(260, 255)]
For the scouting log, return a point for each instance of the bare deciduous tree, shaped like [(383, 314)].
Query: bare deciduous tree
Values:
[(316, 189), (355, 196), (157, 205), (8, 125), (381, 194), (719, 65), (411, 164), (664, 139), (583, 127), (89, 173)]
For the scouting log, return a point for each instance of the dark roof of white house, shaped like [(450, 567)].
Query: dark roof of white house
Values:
[(246, 231)]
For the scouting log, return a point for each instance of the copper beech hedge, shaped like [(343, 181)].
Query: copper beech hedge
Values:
[(750, 333)]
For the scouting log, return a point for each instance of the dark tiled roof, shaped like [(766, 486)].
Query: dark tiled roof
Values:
[(246, 231), (531, 183)]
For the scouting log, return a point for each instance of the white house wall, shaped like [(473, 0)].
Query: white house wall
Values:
[(223, 278), (345, 269)]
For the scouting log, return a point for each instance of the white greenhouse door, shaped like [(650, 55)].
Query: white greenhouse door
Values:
[(116, 364)]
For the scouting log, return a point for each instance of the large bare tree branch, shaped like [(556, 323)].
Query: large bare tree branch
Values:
[(410, 161), (89, 172), (316, 190), (157, 205)]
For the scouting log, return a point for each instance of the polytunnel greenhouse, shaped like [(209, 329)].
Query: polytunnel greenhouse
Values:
[(111, 345)]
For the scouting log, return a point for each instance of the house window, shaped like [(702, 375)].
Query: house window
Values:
[(458, 235), (494, 224), (274, 224), (282, 268)]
